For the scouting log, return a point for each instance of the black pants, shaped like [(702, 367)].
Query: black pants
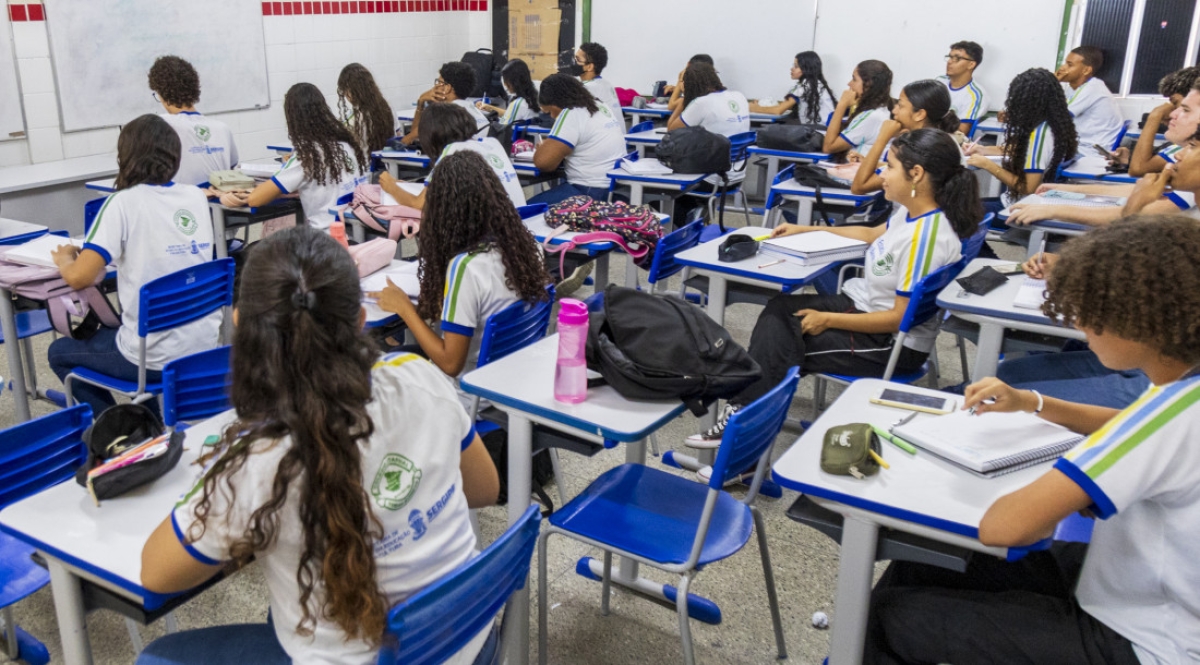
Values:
[(996, 612), (778, 344)]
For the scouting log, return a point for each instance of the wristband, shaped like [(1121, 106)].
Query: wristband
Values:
[(1041, 402)]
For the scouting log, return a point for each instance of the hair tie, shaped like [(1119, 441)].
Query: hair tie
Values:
[(304, 300)]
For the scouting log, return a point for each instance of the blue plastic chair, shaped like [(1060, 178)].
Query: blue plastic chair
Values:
[(167, 302), (676, 524), (663, 265), (1121, 134), (34, 455), (644, 126), (196, 387), (775, 200), (438, 621)]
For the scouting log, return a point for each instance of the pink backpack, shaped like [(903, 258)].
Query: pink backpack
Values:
[(635, 228), (625, 96), (392, 220), (62, 302)]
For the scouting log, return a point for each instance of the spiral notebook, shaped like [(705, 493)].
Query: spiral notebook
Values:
[(989, 444)]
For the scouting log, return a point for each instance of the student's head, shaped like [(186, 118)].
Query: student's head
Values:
[(925, 103), (702, 57), (1187, 169), (963, 58), (175, 81), (1185, 119), (1081, 64), (808, 71), (443, 124), (1034, 97), (561, 91), (318, 137), (1176, 85), (929, 161), (301, 369), (467, 210), (518, 82), (1150, 305), (872, 81), (362, 104), (700, 79), (592, 57), (147, 152), (456, 79)]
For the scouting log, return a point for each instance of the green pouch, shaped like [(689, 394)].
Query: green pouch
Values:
[(846, 451)]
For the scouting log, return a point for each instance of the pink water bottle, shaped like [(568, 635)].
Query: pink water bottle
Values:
[(570, 374), (337, 231)]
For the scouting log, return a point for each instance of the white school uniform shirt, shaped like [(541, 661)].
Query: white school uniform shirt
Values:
[(606, 94), (518, 110), (597, 141), (206, 144), (969, 102), (1142, 472), (481, 121), (1171, 153), (493, 153), (1038, 155), (147, 232), (909, 250), (1097, 119), (315, 198), (725, 112), (410, 471), (825, 109), (860, 132)]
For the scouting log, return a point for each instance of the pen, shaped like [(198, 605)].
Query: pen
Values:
[(772, 263), (879, 460), (894, 440), (989, 400), (1041, 255)]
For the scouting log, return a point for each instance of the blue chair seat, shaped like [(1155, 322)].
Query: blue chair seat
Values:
[(111, 383), (908, 378), (19, 575), (655, 515), (31, 323)]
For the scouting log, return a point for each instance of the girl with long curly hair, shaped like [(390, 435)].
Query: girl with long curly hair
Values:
[(363, 108), (522, 94), (861, 110), (325, 166), (810, 98), (341, 473), (586, 137), (476, 258)]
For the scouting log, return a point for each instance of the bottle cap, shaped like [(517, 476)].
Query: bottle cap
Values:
[(572, 312)]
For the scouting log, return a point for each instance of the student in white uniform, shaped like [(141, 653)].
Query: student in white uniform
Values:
[(861, 110), (347, 477), (1181, 114), (590, 60), (448, 129), (522, 94), (364, 109), (148, 228), (453, 85), (1098, 121), (851, 332), (325, 166), (586, 137), (477, 258), (709, 104), (207, 143), (966, 95), (1039, 136), (810, 95), (674, 93), (924, 103), (1129, 596)]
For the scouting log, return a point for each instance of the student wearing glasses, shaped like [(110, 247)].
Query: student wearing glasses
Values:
[(590, 60), (966, 96), (453, 85)]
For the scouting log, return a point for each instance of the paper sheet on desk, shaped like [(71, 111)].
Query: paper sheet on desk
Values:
[(403, 276), (1031, 295)]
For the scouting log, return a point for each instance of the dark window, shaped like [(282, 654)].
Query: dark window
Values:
[(1106, 27), (1162, 46)]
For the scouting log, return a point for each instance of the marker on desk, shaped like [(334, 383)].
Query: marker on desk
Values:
[(762, 238), (879, 459), (894, 440)]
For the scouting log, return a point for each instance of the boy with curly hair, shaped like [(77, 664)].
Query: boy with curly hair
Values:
[(453, 85), (1132, 598), (208, 143)]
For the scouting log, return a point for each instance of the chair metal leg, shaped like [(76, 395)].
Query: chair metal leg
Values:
[(606, 583), (543, 611), (558, 476), (685, 629), (170, 624), (962, 356), (12, 649), (818, 396), (70, 393), (135, 637), (654, 444), (30, 368), (745, 206), (760, 528)]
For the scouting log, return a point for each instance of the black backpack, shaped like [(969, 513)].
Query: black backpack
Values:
[(487, 74), (697, 150), (817, 178), (793, 138), (662, 347)]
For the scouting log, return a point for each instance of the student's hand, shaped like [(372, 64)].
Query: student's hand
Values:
[(1161, 110), (1039, 265), (1061, 72), (786, 229), (854, 157), (1043, 188), (849, 98), (64, 254), (387, 179), (814, 322), (979, 161), (393, 299), (430, 95), (889, 129), (1149, 189), (233, 199), (1000, 397), (1120, 156), (1023, 214), (1002, 116)]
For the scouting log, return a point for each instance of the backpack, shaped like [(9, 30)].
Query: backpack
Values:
[(487, 75), (393, 221), (62, 302), (816, 178), (793, 138), (697, 150), (662, 347), (635, 228), (625, 96)]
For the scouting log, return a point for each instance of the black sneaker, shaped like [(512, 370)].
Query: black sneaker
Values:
[(711, 437)]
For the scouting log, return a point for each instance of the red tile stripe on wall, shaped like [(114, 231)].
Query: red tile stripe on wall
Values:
[(26, 13), (372, 7)]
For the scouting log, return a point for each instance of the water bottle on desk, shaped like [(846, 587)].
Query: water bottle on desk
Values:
[(570, 373), (337, 231)]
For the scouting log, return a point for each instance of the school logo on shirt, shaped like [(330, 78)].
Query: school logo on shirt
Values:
[(734, 106), (186, 221), (395, 482), (203, 133), (496, 162), (884, 265)]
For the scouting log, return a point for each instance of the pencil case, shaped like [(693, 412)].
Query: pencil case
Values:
[(119, 446), (846, 450), (373, 255), (230, 181), (982, 282)]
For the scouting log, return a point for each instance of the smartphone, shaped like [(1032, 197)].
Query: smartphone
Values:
[(1104, 152), (902, 399)]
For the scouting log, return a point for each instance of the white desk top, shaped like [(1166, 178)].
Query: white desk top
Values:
[(657, 113), (767, 118), (406, 115), (403, 157), (788, 155), (524, 381), (104, 543), (789, 275), (662, 181), (377, 317), (1038, 199), (651, 137), (793, 188), (20, 178), (1093, 171), (537, 226), (920, 489), (11, 228), (997, 304)]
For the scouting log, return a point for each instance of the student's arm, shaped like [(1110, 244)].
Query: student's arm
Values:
[(675, 103), (886, 321), (1144, 160), (391, 186), (965, 128), (1080, 418), (481, 483), (676, 119), (1023, 214), (1097, 189), (866, 180), (1031, 513), (867, 234), (167, 567), (833, 134), (550, 154), (1148, 192), (449, 353), (80, 269), (778, 109)]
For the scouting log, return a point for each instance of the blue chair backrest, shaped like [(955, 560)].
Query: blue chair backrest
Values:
[(739, 143), (41, 453), (1121, 134), (922, 303), (185, 295), (632, 156), (974, 125), (438, 621), (973, 245), (684, 238), (514, 327), (784, 175), (752, 430), (532, 210), (518, 129), (196, 386), (643, 126)]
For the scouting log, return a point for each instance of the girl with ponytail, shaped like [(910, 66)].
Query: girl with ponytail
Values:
[(341, 473), (937, 207), (924, 103)]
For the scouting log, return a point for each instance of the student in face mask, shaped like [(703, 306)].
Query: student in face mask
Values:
[(591, 59)]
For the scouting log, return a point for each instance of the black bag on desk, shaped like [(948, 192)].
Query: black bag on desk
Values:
[(117, 430), (816, 177), (793, 138), (694, 150)]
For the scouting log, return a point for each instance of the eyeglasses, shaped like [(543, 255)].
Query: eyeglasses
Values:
[(582, 62), (438, 82), (957, 58), (156, 97)]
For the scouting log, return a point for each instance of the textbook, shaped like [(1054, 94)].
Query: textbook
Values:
[(815, 247), (36, 252), (989, 444), (1031, 295)]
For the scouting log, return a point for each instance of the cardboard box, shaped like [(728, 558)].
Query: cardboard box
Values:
[(534, 31), (541, 65), (532, 5)]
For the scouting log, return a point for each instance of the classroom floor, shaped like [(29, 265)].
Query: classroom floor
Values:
[(636, 631)]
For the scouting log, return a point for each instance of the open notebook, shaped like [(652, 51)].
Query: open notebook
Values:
[(1031, 295), (989, 444), (403, 274)]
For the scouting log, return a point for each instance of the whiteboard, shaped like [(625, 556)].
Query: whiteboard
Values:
[(12, 115), (752, 42), (102, 50)]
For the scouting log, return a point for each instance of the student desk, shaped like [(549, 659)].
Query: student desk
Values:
[(1095, 172), (774, 157), (281, 150), (1039, 230), (599, 250), (407, 115), (919, 495), (670, 184), (636, 114), (412, 160), (216, 210), (995, 313), (376, 317), (1136, 133), (641, 140), (94, 553), (522, 385), (13, 232), (804, 197), (990, 126), (767, 118)]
